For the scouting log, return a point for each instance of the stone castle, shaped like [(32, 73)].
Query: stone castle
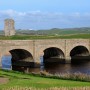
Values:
[(9, 28)]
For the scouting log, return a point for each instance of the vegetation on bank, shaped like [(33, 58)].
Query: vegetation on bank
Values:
[(22, 80), (36, 37), (53, 88)]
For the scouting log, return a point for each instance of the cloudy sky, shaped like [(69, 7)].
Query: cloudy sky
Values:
[(45, 14)]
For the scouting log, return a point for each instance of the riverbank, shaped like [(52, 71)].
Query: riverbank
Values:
[(18, 79)]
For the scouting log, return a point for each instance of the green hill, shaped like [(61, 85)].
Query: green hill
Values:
[(55, 31)]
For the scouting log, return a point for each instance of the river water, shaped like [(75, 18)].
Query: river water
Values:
[(53, 68), (69, 68)]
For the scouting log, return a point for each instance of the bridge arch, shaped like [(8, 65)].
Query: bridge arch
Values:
[(53, 55), (79, 54), (21, 59), (21, 55)]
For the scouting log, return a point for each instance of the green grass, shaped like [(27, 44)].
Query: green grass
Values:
[(28, 80), (33, 37)]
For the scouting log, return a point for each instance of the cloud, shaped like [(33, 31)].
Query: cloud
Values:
[(45, 20)]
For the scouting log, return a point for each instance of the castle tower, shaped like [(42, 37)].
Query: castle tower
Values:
[(9, 29)]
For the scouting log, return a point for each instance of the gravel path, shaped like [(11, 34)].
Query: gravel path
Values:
[(3, 80)]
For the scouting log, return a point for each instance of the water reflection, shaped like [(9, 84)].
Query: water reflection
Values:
[(71, 68), (6, 62), (41, 63), (83, 67)]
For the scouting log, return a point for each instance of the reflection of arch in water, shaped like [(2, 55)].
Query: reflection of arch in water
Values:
[(79, 54), (53, 55)]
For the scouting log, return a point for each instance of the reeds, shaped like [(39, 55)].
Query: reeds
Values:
[(74, 76), (67, 76), (53, 88)]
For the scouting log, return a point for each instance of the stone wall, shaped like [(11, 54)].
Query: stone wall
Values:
[(37, 47)]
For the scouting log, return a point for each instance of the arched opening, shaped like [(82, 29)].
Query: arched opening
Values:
[(79, 54), (21, 60), (52, 56)]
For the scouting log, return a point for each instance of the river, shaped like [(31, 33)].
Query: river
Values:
[(69, 68), (53, 68)]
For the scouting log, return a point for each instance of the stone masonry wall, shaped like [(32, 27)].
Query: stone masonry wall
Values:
[(9, 29), (36, 47)]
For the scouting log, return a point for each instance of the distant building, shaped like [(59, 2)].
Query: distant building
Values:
[(9, 29)]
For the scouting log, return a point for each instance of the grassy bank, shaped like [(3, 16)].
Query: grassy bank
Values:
[(27, 80), (54, 88), (35, 37)]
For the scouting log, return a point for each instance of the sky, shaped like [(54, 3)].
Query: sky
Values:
[(45, 14)]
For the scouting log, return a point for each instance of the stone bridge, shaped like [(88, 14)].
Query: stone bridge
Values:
[(32, 50)]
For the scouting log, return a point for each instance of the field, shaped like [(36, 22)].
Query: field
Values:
[(17, 79), (36, 37), (55, 33)]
